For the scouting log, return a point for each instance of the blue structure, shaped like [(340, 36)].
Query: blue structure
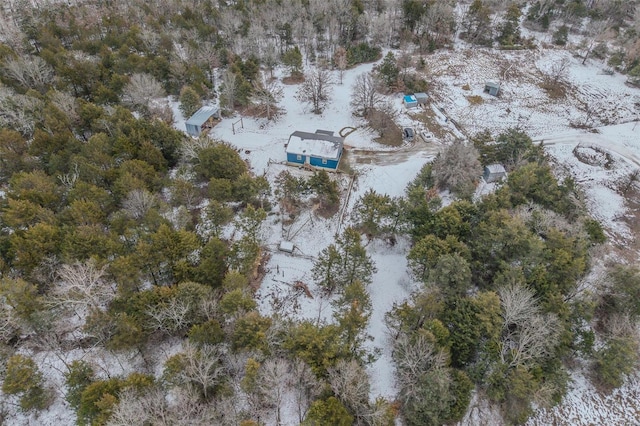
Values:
[(321, 150), (410, 101), (202, 120)]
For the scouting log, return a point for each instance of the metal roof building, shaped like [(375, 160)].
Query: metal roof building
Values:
[(494, 173), (201, 120)]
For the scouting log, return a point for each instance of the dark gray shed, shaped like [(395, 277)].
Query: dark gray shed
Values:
[(492, 88), (494, 173), (201, 120)]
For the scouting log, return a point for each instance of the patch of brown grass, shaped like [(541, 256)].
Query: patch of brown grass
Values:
[(325, 209), (388, 131), (475, 99), (345, 164), (428, 117), (554, 89), (294, 78), (466, 87)]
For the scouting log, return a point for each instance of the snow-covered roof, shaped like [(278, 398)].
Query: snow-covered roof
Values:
[(495, 168), (286, 246), (315, 144), (421, 96), (202, 115)]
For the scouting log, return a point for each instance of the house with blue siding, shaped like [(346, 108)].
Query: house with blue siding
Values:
[(321, 150)]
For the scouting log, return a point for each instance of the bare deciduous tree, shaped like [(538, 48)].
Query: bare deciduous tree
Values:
[(67, 104), (558, 71), (140, 90), (365, 95), (32, 72), (137, 408), (8, 321), (201, 366), (170, 317), (415, 357), (267, 94), (19, 112), (350, 383), (457, 168), (229, 89), (273, 383), (83, 286), (305, 386), (422, 378), (340, 59), (528, 334), (139, 202), (190, 147), (315, 90)]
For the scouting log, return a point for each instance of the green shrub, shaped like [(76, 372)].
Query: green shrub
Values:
[(414, 84), (361, 53), (595, 231), (561, 35), (615, 360), (209, 333), (23, 378), (460, 389), (79, 376), (329, 412), (99, 398)]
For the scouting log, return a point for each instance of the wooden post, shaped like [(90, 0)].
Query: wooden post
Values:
[(233, 125)]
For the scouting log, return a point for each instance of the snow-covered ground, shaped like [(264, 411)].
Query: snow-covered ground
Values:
[(389, 170), (263, 145), (523, 104)]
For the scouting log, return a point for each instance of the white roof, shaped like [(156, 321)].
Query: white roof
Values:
[(202, 115), (286, 246), (316, 146)]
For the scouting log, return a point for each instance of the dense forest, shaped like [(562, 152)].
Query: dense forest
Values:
[(119, 232)]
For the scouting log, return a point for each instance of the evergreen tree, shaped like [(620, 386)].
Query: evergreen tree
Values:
[(22, 377), (477, 23), (329, 412), (352, 313), (376, 213), (190, 101), (388, 70), (343, 263), (292, 59), (509, 30)]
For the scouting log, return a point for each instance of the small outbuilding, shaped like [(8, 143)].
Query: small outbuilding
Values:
[(494, 173), (492, 88), (320, 150), (202, 120), (422, 98), (286, 246), (410, 101)]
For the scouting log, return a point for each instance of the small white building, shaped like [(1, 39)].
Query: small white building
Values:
[(286, 246)]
